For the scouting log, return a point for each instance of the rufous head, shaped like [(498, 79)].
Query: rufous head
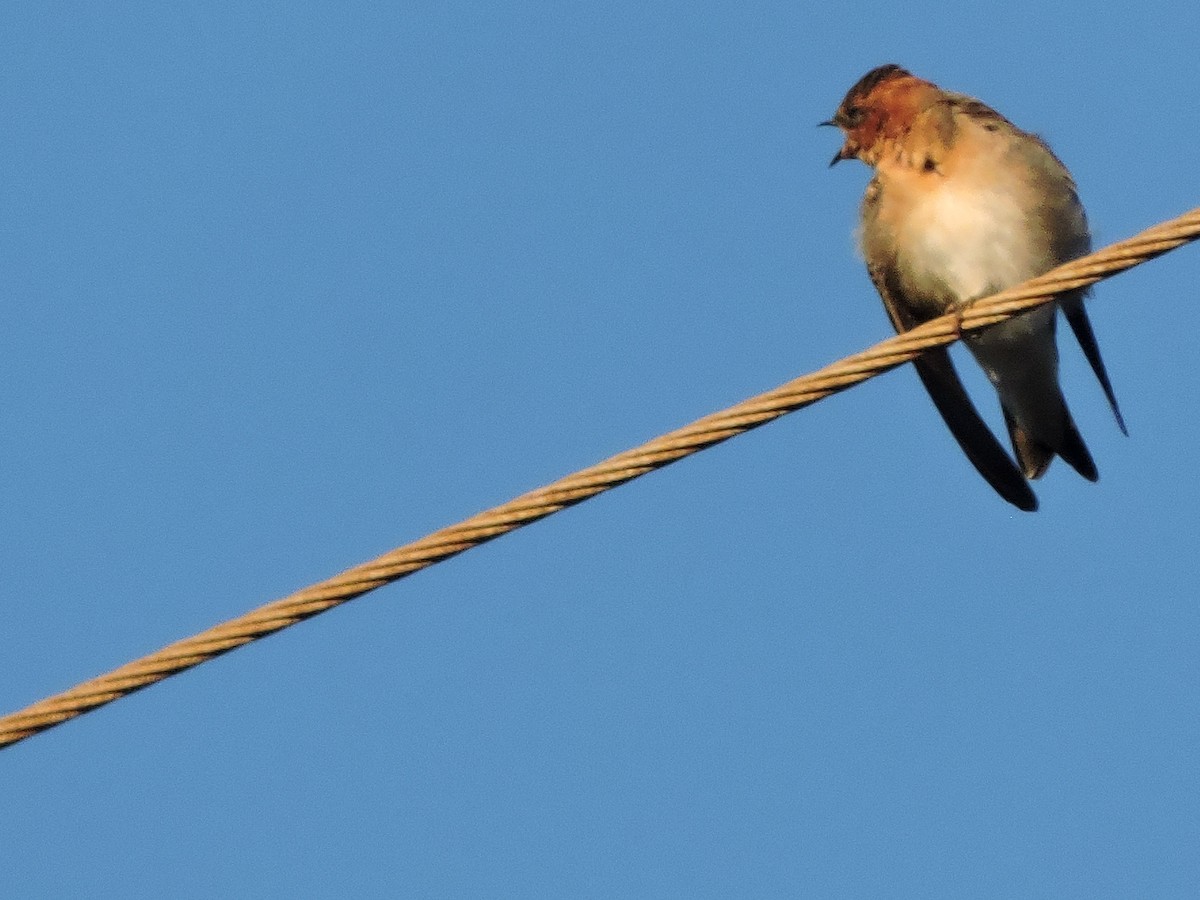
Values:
[(881, 105)]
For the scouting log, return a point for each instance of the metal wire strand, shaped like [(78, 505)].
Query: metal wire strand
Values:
[(581, 485)]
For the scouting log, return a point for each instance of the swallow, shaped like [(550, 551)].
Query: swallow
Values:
[(963, 204)]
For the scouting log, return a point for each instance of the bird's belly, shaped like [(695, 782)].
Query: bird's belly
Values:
[(958, 245)]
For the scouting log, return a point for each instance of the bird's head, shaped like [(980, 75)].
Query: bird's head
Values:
[(882, 105)]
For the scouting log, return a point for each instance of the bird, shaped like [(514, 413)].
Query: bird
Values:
[(963, 204)]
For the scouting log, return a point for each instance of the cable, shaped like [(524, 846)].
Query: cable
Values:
[(711, 429)]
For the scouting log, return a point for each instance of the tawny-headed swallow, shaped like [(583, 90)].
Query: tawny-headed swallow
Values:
[(964, 204)]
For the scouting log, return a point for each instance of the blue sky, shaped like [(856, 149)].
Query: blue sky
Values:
[(287, 285)]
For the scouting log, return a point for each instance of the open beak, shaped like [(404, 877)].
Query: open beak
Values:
[(841, 154)]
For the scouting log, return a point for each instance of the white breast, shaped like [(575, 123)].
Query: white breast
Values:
[(967, 240)]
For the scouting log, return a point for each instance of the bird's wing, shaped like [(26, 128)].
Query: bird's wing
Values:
[(1077, 318), (1060, 215), (945, 388)]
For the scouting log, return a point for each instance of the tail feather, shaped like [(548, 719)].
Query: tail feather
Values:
[(1032, 457), (1075, 452), (1035, 457)]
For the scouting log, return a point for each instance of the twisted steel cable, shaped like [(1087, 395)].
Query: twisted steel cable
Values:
[(705, 432)]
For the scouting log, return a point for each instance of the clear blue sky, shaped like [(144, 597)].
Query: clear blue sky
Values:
[(286, 285)]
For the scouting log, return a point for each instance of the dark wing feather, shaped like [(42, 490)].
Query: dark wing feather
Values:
[(945, 388), (1060, 216), (1077, 318)]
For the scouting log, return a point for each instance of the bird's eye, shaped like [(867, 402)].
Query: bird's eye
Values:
[(854, 116)]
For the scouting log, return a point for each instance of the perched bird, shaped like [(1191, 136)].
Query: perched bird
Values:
[(964, 204)]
